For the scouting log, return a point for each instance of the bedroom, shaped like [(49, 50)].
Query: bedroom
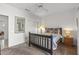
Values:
[(40, 16)]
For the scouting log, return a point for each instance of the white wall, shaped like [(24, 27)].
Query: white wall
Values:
[(31, 25), (63, 19), (77, 16)]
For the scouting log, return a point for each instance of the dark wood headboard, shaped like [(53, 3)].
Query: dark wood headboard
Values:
[(53, 30)]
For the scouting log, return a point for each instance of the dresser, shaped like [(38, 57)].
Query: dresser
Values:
[(68, 41)]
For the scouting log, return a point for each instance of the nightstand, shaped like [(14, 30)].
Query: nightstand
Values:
[(68, 41)]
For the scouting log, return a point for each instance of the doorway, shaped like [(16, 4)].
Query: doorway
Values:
[(4, 28)]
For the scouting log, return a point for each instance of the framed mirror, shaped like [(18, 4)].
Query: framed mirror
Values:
[(19, 24)]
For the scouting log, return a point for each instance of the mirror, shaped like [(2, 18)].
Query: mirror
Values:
[(19, 24)]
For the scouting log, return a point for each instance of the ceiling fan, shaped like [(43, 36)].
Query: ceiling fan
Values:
[(39, 9), (42, 6)]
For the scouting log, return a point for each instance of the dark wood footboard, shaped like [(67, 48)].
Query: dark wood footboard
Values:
[(43, 42)]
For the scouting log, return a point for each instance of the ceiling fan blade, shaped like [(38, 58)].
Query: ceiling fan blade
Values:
[(27, 10)]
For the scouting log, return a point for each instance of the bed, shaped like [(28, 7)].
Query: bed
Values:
[(47, 41)]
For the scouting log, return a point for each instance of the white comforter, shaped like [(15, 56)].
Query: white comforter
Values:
[(55, 37)]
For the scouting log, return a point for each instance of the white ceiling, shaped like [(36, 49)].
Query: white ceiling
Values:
[(51, 7)]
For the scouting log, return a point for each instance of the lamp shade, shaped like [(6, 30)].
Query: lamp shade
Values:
[(68, 32)]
